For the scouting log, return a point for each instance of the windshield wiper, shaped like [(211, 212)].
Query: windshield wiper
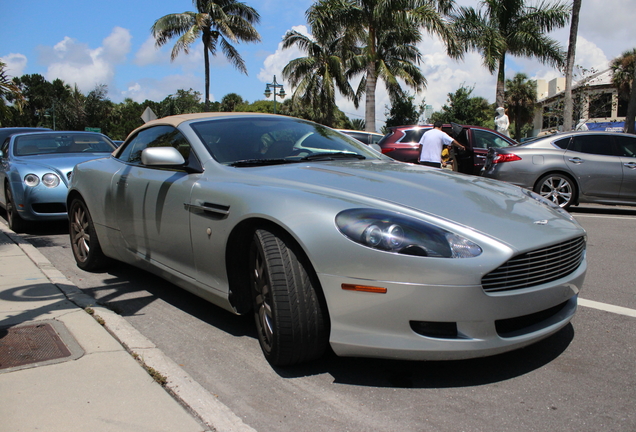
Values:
[(257, 162), (332, 156)]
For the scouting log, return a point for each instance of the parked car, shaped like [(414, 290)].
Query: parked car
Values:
[(35, 170), (327, 242), (363, 136), (402, 144), (571, 168)]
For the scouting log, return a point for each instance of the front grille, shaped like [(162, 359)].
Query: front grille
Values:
[(49, 208), (536, 267)]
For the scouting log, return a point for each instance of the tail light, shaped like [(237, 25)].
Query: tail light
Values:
[(505, 157), (387, 150)]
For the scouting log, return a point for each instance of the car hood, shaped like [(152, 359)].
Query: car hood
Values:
[(496, 209), (58, 163)]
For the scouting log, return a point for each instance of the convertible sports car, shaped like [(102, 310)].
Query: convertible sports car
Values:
[(35, 172), (328, 242)]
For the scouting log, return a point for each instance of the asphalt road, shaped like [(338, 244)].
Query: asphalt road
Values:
[(583, 378)]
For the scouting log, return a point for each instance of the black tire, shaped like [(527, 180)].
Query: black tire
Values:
[(14, 220), (291, 319), (558, 188), (84, 242)]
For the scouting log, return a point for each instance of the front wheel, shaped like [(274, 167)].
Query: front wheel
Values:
[(86, 249), (291, 319), (14, 220), (558, 188)]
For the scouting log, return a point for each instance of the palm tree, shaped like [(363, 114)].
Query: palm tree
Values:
[(379, 40), (521, 95), (624, 78), (502, 27), (316, 76), (9, 90), (218, 23), (568, 105)]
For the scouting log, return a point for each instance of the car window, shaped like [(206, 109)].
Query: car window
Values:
[(562, 143), (484, 139), (413, 135), (5, 148), (626, 146), (593, 144), (46, 143), (158, 136), (262, 139)]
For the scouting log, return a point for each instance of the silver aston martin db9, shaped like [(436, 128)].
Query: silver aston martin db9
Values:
[(327, 242)]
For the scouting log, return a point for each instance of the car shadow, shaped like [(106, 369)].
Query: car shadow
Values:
[(604, 210)]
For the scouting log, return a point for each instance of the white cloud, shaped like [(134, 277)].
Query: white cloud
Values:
[(16, 64), (149, 54), (274, 63), (76, 64), (159, 89)]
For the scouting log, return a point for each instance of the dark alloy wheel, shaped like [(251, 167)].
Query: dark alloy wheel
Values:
[(86, 249), (558, 188), (291, 318), (14, 220)]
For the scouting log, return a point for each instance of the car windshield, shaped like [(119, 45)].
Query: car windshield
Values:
[(36, 144), (257, 141)]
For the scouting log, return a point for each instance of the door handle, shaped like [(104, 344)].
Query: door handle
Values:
[(630, 165), (576, 160)]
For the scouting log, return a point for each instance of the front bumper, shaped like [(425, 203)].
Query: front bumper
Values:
[(41, 203), (384, 325)]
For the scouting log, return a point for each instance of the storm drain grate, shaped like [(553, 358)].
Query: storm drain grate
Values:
[(29, 344)]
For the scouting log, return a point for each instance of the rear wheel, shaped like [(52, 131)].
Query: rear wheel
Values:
[(86, 249), (558, 188), (291, 319), (14, 220)]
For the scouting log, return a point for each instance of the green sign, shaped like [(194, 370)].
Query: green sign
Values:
[(90, 129)]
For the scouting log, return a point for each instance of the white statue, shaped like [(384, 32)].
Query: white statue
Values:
[(502, 123)]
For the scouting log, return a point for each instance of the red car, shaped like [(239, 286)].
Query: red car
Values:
[(402, 143)]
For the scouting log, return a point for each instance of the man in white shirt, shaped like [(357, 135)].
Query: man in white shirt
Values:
[(433, 142)]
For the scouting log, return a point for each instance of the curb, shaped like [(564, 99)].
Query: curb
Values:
[(180, 385)]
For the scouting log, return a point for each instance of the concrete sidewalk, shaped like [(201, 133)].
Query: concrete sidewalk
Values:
[(68, 365)]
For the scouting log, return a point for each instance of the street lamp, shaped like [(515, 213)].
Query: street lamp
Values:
[(274, 85)]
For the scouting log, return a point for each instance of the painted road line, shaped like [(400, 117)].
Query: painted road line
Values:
[(608, 307)]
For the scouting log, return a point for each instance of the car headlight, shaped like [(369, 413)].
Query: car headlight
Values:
[(397, 233), (31, 180), (50, 180)]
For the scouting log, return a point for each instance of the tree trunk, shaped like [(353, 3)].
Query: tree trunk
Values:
[(568, 104), (500, 96), (631, 107), (369, 114), (206, 58)]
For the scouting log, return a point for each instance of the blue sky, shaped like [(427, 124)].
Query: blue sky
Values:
[(109, 42)]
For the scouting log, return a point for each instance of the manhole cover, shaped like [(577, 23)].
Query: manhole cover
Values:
[(34, 343)]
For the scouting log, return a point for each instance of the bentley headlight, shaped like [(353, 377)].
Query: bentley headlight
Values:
[(397, 233), (31, 180), (50, 180)]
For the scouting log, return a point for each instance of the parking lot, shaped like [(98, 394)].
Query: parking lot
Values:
[(583, 378)]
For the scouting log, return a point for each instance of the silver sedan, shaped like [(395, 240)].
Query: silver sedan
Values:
[(571, 168), (328, 242)]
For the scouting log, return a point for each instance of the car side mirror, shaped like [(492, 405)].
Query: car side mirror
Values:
[(162, 156)]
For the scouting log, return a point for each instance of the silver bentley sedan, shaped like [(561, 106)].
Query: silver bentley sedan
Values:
[(327, 242)]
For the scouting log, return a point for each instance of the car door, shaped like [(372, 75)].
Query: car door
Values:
[(626, 146), (595, 164), (151, 201)]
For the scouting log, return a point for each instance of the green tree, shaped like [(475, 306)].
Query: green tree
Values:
[(9, 92), (182, 102), (231, 101), (316, 76), (379, 40), (521, 95), (464, 109), (502, 27), (403, 111), (624, 79), (218, 23)]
